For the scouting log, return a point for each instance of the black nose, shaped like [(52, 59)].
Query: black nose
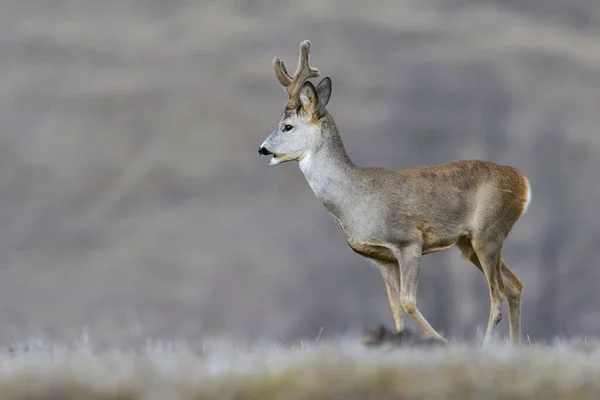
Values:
[(263, 151)]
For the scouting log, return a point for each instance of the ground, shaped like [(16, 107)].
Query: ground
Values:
[(335, 369)]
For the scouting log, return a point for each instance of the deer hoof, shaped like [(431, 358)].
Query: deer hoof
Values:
[(498, 318)]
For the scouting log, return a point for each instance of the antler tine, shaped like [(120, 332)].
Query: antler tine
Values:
[(281, 72), (303, 72)]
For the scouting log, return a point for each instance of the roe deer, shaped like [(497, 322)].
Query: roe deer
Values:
[(395, 217)]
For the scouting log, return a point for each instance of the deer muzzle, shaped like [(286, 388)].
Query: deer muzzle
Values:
[(263, 151)]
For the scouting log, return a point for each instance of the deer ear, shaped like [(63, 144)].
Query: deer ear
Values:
[(309, 97), (324, 91)]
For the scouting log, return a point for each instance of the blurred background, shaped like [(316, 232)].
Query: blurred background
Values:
[(134, 205)]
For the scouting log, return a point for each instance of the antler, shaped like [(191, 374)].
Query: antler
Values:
[(293, 86)]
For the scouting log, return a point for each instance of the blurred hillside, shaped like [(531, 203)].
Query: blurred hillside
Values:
[(133, 201)]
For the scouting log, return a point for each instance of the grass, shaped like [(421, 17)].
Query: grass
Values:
[(340, 369)]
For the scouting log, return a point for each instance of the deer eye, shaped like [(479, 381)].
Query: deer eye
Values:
[(287, 128)]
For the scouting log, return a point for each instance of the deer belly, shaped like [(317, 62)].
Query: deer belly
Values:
[(435, 247), (433, 243), (371, 251)]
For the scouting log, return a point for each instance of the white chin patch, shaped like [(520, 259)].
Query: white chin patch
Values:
[(274, 161)]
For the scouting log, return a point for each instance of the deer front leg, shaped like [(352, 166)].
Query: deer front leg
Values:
[(391, 276), (409, 259)]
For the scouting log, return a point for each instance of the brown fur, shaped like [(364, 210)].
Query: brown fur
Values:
[(443, 194)]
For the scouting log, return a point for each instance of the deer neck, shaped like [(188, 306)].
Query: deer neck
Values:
[(329, 170)]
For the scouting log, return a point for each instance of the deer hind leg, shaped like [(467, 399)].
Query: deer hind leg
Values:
[(512, 288), (489, 254), (409, 259), (391, 276)]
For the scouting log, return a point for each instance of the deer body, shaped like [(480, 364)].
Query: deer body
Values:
[(394, 217)]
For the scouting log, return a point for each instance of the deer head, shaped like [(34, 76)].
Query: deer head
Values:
[(299, 130)]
